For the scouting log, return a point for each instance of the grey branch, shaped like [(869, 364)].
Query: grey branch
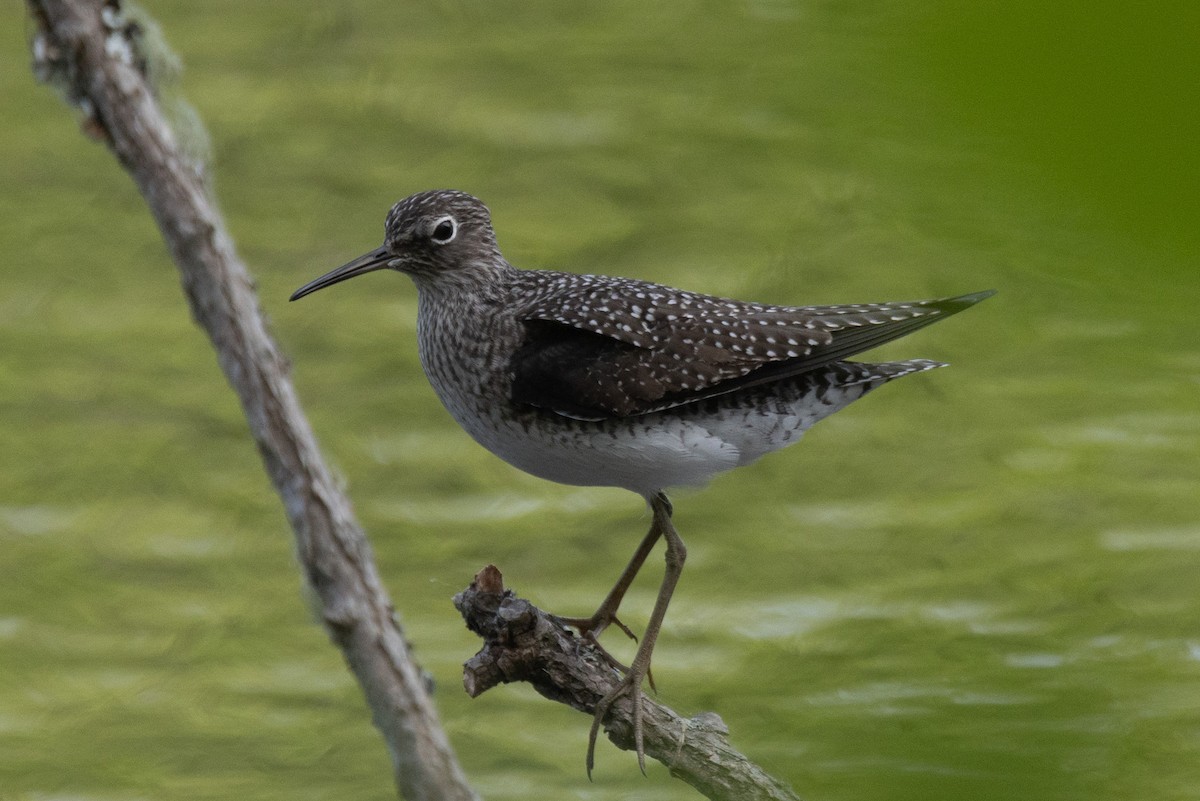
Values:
[(100, 59), (523, 643)]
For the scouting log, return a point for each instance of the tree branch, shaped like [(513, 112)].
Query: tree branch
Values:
[(523, 643), (100, 60)]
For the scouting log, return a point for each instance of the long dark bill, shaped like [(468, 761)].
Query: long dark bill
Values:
[(369, 262)]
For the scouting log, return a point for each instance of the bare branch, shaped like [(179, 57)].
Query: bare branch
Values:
[(99, 59), (523, 643)]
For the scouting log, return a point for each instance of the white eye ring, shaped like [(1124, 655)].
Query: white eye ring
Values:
[(444, 230)]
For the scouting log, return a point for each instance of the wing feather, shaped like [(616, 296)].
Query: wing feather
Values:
[(598, 347)]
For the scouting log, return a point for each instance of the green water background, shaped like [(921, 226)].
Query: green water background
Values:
[(979, 583)]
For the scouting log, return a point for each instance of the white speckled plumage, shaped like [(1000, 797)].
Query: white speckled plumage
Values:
[(591, 380), (684, 444), (595, 380)]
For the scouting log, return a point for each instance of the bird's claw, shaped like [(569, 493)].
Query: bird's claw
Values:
[(591, 627), (628, 633), (630, 684)]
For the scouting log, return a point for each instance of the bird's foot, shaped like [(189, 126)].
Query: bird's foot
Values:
[(589, 629), (630, 685)]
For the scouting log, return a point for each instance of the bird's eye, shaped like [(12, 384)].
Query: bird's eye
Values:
[(444, 230)]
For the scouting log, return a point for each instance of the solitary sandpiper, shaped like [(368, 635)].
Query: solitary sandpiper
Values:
[(599, 381)]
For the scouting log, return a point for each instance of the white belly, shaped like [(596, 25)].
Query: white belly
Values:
[(679, 447)]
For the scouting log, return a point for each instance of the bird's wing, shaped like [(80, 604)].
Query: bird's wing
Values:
[(598, 347)]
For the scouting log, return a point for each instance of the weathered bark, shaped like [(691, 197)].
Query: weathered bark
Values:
[(523, 643), (94, 55)]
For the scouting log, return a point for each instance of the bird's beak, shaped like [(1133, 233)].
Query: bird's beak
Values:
[(369, 262)]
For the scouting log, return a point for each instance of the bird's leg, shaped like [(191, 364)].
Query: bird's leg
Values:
[(606, 614), (631, 682)]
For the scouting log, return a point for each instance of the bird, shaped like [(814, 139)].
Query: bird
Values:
[(594, 380)]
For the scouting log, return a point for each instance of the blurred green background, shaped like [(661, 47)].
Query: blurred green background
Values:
[(979, 583)]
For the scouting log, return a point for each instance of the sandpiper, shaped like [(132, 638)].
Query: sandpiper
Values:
[(600, 381)]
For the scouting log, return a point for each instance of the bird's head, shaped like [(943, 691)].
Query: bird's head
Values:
[(440, 236)]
